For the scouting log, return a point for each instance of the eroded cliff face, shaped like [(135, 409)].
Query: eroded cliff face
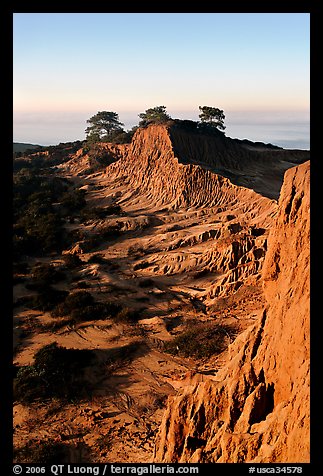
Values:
[(151, 166), (169, 169), (166, 168), (257, 408)]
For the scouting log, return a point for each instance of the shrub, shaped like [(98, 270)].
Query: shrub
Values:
[(57, 372), (43, 275), (127, 315), (72, 261), (28, 385), (89, 313), (47, 298), (38, 227), (200, 340), (82, 285), (73, 200), (73, 301), (42, 452), (112, 308), (146, 283), (110, 232), (81, 306), (97, 258), (122, 137), (99, 213), (39, 231), (135, 250), (187, 124)]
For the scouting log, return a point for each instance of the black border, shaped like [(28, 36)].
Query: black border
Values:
[(287, 6)]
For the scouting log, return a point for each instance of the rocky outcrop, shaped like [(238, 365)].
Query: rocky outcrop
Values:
[(174, 167), (87, 160), (257, 409), (259, 167), (151, 167)]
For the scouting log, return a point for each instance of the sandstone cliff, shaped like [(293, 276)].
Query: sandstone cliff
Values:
[(174, 167), (257, 409), (157, 165), (166, 168)]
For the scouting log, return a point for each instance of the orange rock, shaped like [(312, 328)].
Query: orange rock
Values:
[(258, 410)]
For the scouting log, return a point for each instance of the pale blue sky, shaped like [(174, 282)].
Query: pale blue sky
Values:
[(68, 66)]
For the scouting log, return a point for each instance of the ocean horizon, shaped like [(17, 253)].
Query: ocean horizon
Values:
[(287, 135), (285, 131)]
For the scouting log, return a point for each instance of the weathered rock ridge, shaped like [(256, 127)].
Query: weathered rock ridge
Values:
[(166, 155), (153, 165), (173, 167), (166, 168), (257, 409)]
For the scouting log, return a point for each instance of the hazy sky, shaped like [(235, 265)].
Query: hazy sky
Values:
[(68, 66)]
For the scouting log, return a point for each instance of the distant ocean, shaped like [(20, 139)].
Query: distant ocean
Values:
[(289, 133)]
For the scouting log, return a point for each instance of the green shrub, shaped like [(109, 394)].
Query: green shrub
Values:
[(201, 340), (56, 372), (73, 302), (81, 306), (42, 452), (146, 283), (73, 200), (29, 385), (122, 137), (112, 308), (97, 258), (127, 315), (47, 298), (38, 226), (111, 231), (44, 275), (39, 232), (99, 213), (82, 285), (91, 243), (89, 313), (72, 261)]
